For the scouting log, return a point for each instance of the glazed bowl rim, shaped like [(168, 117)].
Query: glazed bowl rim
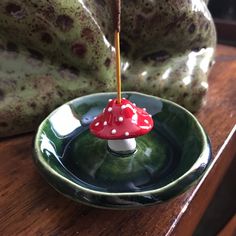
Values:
[(202, 159)]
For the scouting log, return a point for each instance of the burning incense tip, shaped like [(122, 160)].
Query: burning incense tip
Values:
[(117, 14)]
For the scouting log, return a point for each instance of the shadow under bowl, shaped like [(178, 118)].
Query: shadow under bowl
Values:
[(167, 161)]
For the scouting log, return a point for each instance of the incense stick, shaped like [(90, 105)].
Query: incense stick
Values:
[(117, 47), (118, 73)]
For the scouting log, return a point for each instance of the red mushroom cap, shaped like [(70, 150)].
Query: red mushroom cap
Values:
[(121, 121)]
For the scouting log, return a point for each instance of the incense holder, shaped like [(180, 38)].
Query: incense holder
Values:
[(58, 50), (167, 161)]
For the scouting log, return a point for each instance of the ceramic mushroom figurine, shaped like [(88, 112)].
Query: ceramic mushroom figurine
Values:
[(121, 120), (120, 124)]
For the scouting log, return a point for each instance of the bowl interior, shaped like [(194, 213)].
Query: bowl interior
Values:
[(64, 144)]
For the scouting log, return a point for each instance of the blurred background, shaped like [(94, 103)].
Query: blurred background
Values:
[(223, 9), (222, 207), (224, 13)]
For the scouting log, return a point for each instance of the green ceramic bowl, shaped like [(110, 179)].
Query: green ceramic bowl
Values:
[(167, 161)]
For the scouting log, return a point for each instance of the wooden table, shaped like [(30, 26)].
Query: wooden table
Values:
[(29, 206)]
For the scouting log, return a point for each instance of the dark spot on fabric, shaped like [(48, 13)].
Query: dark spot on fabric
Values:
[(46, 38), (2, 95), (159, 56), (87, 34), (78, 49), (33, 105), (107, 63), (35, 54), (148, 7), (185, 95), (48, 12), (15, 10), (64, 22), (192, 28), (35, 5), (12, 47), (3, 124), (12, 8), (22, 88), (206, 26), (60, 94), (178, 25)]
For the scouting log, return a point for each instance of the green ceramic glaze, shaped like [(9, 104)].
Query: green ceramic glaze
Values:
[(54, 50), (167, 161)]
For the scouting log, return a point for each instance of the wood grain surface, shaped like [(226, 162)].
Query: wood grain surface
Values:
[(29, 206)]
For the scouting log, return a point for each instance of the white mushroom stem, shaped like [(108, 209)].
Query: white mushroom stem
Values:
[(123, 146)]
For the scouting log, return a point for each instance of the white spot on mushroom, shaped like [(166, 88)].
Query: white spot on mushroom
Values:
[(97, 124), (123, 107), (95, 118), (145, 127), (144, 109), (109, 100), (105, 123), (126, 134), (135, 118), (120, 119), (150, 115), (103, 110), (109, 109), (113, 131), (146, 121), (134, 104)]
